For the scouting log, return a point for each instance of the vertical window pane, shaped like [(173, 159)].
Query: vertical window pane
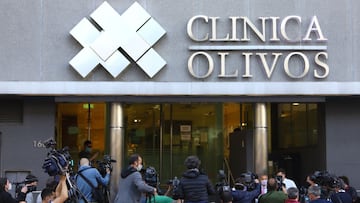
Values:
[(297, 125)]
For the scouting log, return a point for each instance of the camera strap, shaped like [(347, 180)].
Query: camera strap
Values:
[(86, 180)]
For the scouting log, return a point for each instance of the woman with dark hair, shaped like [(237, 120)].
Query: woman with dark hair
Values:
[(5, 196), (195, 186)]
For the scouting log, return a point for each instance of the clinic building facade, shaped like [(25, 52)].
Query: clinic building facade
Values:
[(168, 79)]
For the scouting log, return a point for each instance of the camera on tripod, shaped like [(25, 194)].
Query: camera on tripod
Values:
[(223, 188), (175, 184), (57, 162), (106, 163), (151, 177)]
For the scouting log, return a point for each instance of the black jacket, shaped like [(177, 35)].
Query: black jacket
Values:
[(240, 196), (195, 186), (6, 197)]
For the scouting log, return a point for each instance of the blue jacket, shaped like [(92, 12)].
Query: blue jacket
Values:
[(240, 196), (93, 175), (320, 201), (341, 197)]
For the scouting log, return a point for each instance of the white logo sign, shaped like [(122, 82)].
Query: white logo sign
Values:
[(133, 33)]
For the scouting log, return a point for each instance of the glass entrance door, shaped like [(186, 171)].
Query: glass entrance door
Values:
[(192, 129), (165, 134)]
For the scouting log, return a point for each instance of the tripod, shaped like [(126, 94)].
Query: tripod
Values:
[(106, 193), (74, 193), (148, 198)]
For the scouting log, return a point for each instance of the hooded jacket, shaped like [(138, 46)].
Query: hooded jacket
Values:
[(131, 185), (195, 186)]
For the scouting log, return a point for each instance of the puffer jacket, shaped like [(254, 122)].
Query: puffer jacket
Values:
[(195, 186)]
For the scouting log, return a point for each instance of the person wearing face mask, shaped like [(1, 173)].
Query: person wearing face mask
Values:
[(5, 196), (263, 183), (87, 152), (131, 184), (93, 176)]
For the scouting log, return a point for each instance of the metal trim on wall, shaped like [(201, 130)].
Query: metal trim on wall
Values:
[(179, 99), (109, 88)]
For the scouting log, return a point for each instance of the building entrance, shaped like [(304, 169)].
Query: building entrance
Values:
[(166, 133)]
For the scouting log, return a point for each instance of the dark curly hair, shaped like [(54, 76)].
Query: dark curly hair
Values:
[(3, 182), (192, 162)]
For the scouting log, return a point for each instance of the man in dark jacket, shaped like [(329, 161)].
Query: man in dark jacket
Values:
[(131, 184), (340, 196), (349, 189), (242, 195), (194, 186), (5, 196)]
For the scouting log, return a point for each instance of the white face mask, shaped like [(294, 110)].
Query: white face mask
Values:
[(263, 182), (9, 186), (139, 167)]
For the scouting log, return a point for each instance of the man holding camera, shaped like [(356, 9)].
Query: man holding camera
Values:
[(247, 188), (288, 182), (89, 178), (5, 196), (131, 184), (31, 183)]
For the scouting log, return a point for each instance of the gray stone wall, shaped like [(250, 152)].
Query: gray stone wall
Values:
[(36, 45), (21, 148), (342, 135)]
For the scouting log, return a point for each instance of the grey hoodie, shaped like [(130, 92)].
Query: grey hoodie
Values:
[(131, 185)]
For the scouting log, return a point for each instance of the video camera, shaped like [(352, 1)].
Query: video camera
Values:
[(28, 180), (327, 181), (279, 183), (151, 176), (106, 163), (223, 188), (324, 178), (246, 181), (57, 162), (175, 183)]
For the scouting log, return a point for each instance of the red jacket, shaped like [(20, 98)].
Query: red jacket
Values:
[(291, 201)]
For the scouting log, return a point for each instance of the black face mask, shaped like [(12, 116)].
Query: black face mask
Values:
[(31, 188)]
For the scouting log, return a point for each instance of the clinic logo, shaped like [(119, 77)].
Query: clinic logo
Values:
[(134, 33)]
